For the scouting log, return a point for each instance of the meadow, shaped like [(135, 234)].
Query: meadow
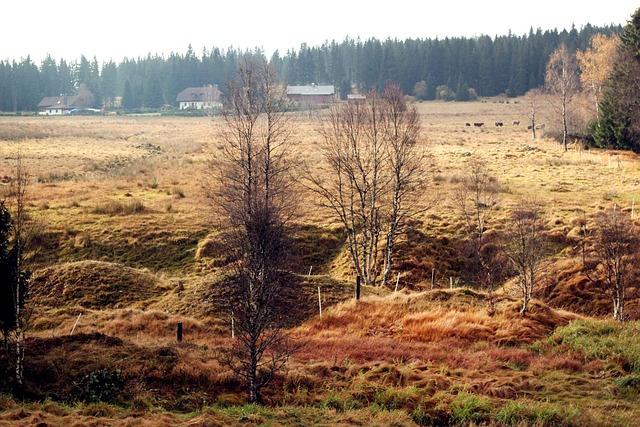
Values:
[(128, 240)]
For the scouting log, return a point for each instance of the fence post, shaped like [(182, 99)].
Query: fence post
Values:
[(75, 324), (358, 287), (179, 331)]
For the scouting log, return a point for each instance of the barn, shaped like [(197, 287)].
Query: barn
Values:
[(312, 94)]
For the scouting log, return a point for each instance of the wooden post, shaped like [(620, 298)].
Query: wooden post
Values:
[(358, 287), (450, 282), (233, 326), (179, 331), (433, 278), (75, 324), (310, 268), (397, 281), (319, 302)]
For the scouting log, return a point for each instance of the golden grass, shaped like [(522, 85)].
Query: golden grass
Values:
[(418, 351)]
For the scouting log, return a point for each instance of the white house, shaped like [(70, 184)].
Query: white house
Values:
[(200, 98), (60, 105)]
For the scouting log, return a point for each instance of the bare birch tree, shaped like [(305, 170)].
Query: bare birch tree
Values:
[(616, 249), (15, 275), (562, 81), (533, 98), (475, 198), (524, 247), (407, 168), (352, 186), (251, 190), (371, 172)]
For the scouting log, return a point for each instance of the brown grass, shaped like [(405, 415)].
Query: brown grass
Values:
[(129, 242)]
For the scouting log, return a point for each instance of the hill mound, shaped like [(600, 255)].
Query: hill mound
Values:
[(94, 285), (437, 315), (566, 284)]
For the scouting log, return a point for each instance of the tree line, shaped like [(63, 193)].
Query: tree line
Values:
[(484, 65)]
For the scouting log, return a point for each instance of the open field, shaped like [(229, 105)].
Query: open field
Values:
[(128, 240)]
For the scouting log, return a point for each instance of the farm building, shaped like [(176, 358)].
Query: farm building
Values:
[(60, 105), (200, 98), (313, 94)]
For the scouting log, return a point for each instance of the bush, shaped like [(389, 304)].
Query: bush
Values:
[(98, 386)]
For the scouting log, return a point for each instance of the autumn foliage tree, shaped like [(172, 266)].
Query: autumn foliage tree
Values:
[(596, 64)]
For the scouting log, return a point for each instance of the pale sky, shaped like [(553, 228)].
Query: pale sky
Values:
[(114, 29)]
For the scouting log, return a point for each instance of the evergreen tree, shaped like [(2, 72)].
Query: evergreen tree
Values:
[(620, 107), (614, 130), (128, 98)]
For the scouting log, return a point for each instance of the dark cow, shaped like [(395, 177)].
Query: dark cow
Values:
[(478, 124), (499, 123), (516, 122), (467, 124)]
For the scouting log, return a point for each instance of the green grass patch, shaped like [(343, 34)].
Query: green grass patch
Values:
[(469, 408), (609, 341), (518, 413)]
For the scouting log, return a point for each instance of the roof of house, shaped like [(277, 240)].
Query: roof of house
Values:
[(311, 90), (200, 94), (62, 101)]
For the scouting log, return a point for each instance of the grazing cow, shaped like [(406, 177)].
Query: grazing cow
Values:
[(478, 124), (516, 122), (499, 123), (540, 126), (529, 127), (467, 124)]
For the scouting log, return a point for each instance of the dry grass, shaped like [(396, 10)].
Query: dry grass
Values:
[(129, 242)]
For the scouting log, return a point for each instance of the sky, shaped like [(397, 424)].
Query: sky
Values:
[(115, 29)]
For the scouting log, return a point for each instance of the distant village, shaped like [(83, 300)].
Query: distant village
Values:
[(192, 98)]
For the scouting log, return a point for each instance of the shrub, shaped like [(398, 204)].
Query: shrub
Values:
[(98, 386)]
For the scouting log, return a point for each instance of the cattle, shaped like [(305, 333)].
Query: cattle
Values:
[(540, 126), (467, 124), (516, 122), (499, 124), (478, 124)]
